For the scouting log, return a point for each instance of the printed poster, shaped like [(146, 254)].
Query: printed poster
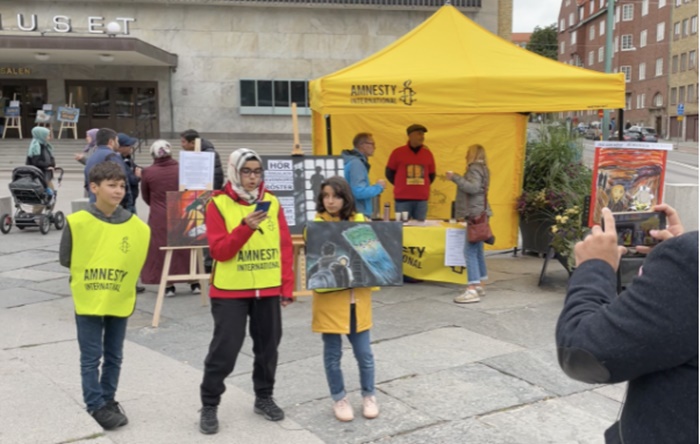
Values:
[(66, 114), (196, 170), (627, 176), (353, 254), (185, 217)]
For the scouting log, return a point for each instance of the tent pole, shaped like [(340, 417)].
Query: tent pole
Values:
[(329, 141), (620, 122)]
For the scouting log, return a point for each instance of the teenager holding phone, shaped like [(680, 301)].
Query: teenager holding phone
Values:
[(251, 277)]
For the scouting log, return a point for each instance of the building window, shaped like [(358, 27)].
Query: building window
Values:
[(674, 91), (692, 59), (691, 93), (580, 13), (602, 28), (676, 30), (642, 71), (658, 101), (571, 19), (591, 7), (678, 3), (617, 14), (641, 98), (686, 29), (562, 25), (562, 47), (659, 66), (645, 7), (568, 2), (662, 3), (627, 42), (660, 31), (617, 44), (681, 94), (601, 3), (590, 58), (628, 101), (674, 64), (694, 24), (591, 33), (684, 61), (627, 12), (573, 38), (643, 39), (628, 72), (274, 96), (601, 53)]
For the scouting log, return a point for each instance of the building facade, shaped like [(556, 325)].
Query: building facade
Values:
[(157, 67), (683, 75), (521, 38), (641, 50)]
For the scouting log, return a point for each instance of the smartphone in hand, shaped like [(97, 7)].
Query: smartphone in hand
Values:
[(633, 227), (263, 205)]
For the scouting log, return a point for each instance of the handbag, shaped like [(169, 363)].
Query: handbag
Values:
[(478, 229)]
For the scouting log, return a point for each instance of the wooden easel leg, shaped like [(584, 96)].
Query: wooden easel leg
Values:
[(161, 288), (204, 285)]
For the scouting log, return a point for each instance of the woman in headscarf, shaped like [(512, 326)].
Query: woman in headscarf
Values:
[(91, 145), (156, 181), (251, 277), (40, 153)]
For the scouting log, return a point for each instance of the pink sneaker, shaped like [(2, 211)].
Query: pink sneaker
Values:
[(343, 410), (370, 409)]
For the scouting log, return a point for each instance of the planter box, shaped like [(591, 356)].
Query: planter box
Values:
[(536, 235)]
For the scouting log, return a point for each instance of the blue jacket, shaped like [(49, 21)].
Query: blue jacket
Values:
[(357, 174), (103, 154)]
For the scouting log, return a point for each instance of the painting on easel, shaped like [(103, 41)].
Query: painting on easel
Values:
[(353, 254), (185, 217), (627, 177)]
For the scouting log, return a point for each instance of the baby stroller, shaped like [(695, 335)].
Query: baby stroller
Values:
[(29, 188)]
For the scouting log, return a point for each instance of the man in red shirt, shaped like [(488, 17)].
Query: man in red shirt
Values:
[(411, 169)]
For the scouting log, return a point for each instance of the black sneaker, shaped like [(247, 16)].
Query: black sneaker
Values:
[(208, 422), (268, 408), (140, 289), (115, 407), (196, 288), (108, 419)]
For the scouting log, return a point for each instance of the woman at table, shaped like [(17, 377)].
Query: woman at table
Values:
[(470, 202), (156, 181)]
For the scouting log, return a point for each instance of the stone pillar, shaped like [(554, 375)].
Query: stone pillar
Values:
[(505, 19)]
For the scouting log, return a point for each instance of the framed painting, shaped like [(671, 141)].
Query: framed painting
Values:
[(185, 217)]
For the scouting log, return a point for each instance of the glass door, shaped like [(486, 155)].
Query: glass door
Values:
[(31, 95)]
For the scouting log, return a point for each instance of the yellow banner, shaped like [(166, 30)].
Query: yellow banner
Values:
[(424, 255)]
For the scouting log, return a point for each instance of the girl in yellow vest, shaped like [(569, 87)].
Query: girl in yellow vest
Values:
[(251, 277), (338, 312)]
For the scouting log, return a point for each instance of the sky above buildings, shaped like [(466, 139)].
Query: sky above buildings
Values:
[(530, 13)]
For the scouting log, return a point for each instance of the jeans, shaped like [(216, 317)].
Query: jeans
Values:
[(333, 352), (476, 265), (417, 209), (100, 338)]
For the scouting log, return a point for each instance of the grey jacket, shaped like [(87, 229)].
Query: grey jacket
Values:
[(469, 201)]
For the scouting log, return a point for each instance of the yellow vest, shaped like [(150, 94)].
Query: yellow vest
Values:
[(359, 217), (106, 260), (258, 264)]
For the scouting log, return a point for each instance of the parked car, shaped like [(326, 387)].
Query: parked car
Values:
[(628, 136), (648, 133)]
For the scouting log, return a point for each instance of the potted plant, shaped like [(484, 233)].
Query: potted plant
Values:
[(568, 229), (555, 180)]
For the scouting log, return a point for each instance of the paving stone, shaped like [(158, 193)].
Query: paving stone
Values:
[(25, 258), (17, 297), (7, 283), (55, 267), (470, 430), (30, 240), (464, 391), (59, 287), (539, 367), (615, 392), (29, 325), (32, 275), (394, 418), (595, 404), (553, 421)]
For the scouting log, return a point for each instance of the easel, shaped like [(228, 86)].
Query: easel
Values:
[(69, 125), (298, 242), (13, 122), (197, 271)]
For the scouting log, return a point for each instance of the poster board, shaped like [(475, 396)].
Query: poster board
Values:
[(627, 176), (296, 181), (67, 114), (185, 212), (12, 111), (353, 254), (196, 170)]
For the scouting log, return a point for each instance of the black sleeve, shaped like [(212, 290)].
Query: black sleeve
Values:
[(40, 161), (66, 246), (651, 326), (218, 172), (432, 177), (390, 174)]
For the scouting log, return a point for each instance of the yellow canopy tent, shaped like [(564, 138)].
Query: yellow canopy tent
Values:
[(467, 86)]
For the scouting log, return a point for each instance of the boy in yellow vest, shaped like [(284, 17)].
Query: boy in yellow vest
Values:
[(105, 248)]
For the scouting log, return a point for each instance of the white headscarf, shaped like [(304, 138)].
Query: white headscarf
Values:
[(161, 148), (236, 161)]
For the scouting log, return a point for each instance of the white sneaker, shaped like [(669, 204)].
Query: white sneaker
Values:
[(370, 409), (170, 292), (467, 297), (343, 410), (480, 291)]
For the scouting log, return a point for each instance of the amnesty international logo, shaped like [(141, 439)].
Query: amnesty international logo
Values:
[(124, 245), (407, 93)]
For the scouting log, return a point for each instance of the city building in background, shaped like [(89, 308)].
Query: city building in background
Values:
[(157, 67), (683, 77), (521, 38), (643, 41)]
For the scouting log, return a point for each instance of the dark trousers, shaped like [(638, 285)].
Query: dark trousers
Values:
[(265, 330)]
